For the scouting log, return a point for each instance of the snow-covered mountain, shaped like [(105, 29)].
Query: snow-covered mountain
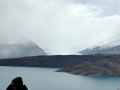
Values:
[(112, 48), (17, 50)]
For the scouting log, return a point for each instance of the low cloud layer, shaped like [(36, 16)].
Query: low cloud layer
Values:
[(108, 7), (59, 26)]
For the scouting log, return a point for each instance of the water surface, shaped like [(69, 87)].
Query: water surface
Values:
[(48, 79)]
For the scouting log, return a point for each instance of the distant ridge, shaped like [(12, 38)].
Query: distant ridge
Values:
[(17, 50), (101, 50), (110, 48)]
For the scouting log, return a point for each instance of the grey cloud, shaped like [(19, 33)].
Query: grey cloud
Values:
[(11, 13), (109, 7), (51, 25)]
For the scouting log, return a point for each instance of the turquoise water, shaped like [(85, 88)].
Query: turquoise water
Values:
[(48, 79)]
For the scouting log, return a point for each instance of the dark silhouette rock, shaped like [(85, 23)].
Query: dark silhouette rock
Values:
[(17, 84)]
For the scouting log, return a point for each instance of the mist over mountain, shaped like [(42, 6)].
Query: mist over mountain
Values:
[(17, 50), (112, 48)]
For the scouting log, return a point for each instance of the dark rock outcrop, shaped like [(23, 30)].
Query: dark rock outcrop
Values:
[(17, 84)]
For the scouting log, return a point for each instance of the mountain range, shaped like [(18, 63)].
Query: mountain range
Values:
[(111, 48), (18, 50)]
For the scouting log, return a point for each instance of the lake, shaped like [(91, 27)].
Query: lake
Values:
[(48, 79)]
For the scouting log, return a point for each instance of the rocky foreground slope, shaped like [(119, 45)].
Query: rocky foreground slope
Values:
[(107, 66)]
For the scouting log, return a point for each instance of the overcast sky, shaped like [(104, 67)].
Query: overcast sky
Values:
[(60, 26)]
